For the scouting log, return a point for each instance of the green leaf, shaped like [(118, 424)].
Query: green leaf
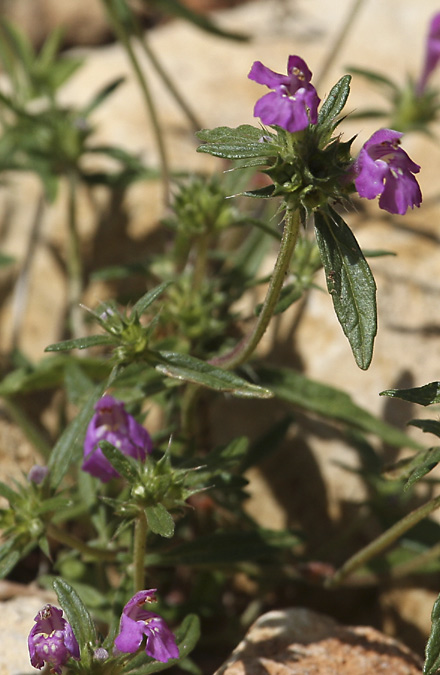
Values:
[(123, 465), (426, 395), (228, 548), (187, 636), (260, 193), (81, 343), (266, 444), (182, 11), (349, 282), (8, 562), (9, 494), (432, 651), (335, 102), (77, 383), (240, 143), (49, 373), (377, 78), (101, 96), (425, 462), (428, 426), (78, 617), (146, 300), (329, 402), (159, 520), (68, 448), (189, 369)]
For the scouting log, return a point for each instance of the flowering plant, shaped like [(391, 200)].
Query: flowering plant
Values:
[(146, 485)]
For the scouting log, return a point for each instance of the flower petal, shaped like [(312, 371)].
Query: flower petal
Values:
[(264, 75)]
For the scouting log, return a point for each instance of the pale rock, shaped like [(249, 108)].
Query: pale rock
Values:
[(301, 642), (16, 620)]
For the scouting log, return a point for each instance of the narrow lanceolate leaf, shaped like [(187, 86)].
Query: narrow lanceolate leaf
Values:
[(349, 282), (159, 520), (426, 462), (432, 652), (293, 387), (146, 300), (428, 426), (119, 461), (335, 101), (189, 369), (81, 343), (68, 448), (77, 615), (240, 143), (426, 395)]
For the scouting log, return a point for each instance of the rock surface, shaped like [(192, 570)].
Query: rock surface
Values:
[(16, 620), (301, 642)]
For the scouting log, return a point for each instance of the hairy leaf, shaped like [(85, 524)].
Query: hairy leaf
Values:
[(189, 369), (349, 282), (78, 617), (426, 395), (291, 386), (240, 143)]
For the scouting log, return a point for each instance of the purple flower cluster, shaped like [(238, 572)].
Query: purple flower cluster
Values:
[(137, 622), (293, 104), (112, 423), (432, 55), (384, 169), (51, 640)]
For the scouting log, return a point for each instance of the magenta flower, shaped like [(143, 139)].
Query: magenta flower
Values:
[(113, 424), (293, 104), (432, 55), (51, 640), (137, 622), (384, 169)]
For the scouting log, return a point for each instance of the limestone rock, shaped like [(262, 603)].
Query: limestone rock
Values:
[(16, 620), (301, 642)]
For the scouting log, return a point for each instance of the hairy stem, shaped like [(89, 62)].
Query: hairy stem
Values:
[(383, 541), (189, 113), (244, 350), (338, 41), (74, 263), (139, 546), (124, 38), (75, 543)]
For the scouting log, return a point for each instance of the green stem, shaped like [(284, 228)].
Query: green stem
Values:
[(413, 565), (74, 263), (338, 42), (124, 38), (75, 543), (383, 541), (139, 546), (247, 346), (191, 116)]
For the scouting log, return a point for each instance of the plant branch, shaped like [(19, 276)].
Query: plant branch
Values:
[(383, 541), (139, 546), (244, 350)]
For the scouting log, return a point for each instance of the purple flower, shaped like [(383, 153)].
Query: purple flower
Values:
[(432, 56), (384, 169), (137, 622), (113, 424), (51, 641), (37, 474), (294, 102)]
